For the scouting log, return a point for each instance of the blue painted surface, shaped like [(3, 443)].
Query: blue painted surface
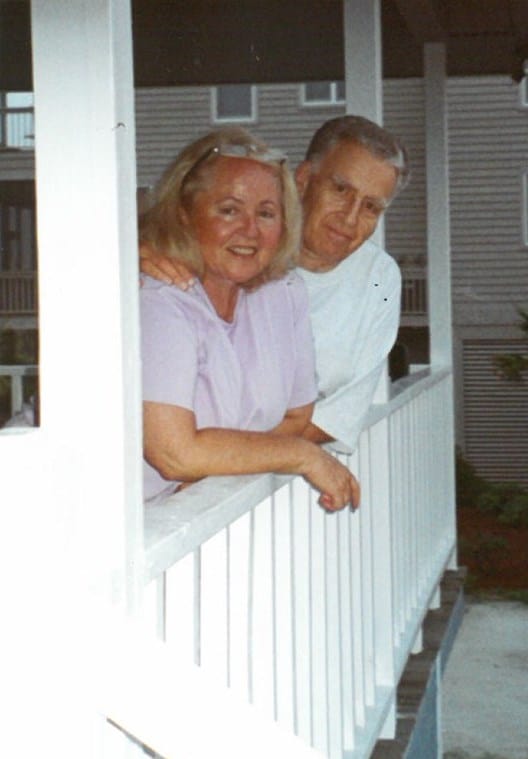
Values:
[(424, 742), (424, 739)]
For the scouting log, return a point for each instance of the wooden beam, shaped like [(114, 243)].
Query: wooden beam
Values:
[(422, 20)]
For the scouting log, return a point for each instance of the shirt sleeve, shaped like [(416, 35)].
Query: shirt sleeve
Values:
[(342, 414), (168, 349), (304, 387)]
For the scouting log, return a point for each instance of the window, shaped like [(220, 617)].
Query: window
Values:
[(234, 102), (16, 120), (323, 93)]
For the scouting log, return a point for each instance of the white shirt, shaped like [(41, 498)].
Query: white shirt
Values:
[(355, 311)]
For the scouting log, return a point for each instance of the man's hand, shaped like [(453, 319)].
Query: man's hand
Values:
[(164, 268), (316, 434)]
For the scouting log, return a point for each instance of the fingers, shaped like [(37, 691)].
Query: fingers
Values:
[(348, 494), (165, 269)]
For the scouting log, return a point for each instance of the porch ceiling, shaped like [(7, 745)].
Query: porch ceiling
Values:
[(214, 41)]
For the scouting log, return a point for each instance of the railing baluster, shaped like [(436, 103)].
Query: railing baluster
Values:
[(262, 665), (239, 605)]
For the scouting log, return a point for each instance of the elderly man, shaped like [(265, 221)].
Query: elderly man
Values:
[(352, 171)]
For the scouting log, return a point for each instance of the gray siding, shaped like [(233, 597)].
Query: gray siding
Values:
[(496, 413), (16, 165), (488, 140)]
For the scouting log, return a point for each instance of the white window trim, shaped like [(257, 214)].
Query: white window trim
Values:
[(332, 102), (523, 92), (215, 119), (524, 208)]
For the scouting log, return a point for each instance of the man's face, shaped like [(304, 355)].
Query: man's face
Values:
[(342, 197)]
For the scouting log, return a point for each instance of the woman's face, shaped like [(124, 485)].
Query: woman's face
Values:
[(237, 220)]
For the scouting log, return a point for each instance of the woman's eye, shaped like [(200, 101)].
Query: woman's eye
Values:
[(340, 188), (268, 213), (228, 210)]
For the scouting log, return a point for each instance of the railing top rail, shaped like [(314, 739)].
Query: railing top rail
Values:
[(184, 521), (14, 370)]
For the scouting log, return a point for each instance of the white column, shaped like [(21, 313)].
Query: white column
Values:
[(82, 467), (364, 89), (363, 72), (438, 231)]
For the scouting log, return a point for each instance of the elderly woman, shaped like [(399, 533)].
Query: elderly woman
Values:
[(228, 366)]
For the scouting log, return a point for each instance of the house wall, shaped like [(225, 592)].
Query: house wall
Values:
[(488, 154)]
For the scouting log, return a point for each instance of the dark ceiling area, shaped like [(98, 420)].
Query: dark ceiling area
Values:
[(216, 41)]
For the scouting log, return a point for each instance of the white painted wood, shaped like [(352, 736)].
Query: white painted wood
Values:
[(438, 229), (283, 608), (72, 488), (262, 688), (214, 614), (239, 605), (319, 684), (362, 30), (303, 607)]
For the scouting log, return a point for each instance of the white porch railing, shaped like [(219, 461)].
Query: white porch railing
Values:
[(306, 615), (18, 292)]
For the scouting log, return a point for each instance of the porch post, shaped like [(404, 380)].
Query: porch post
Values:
[(362, 30), (437, 183)]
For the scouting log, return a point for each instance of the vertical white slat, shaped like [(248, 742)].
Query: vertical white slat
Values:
[(261, 630), (283, 608), (333, 637), (382, 563), (344, 518), (396, 521), (367, 589), (303, 600), (319, 686), (180, 604), (214, 614), (239, 605), (356, 582)]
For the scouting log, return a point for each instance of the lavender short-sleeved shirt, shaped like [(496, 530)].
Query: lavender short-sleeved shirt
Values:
[(243, 374)]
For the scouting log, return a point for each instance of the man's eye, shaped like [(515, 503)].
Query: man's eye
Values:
[(340, 188), (372, 208)]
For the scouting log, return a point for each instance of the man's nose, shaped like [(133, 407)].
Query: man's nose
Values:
[(351, 212)]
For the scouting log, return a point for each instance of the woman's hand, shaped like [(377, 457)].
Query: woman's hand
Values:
[(164, 268), (336, 483)]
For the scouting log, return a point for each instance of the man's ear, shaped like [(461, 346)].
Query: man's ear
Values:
[(302, 176)]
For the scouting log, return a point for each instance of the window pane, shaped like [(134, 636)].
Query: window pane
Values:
[(19, 99), (317, 91), (233, 101)]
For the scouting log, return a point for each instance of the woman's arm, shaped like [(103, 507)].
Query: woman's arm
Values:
[(179, 451)]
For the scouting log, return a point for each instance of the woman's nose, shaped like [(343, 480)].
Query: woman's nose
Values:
[(250, 225)]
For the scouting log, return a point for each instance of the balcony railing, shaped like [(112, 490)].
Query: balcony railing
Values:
[(17, 128), (18, 293), (309, 617), (16, 373)]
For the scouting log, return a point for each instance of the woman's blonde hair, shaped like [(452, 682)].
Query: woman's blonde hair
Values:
[(162, 225)]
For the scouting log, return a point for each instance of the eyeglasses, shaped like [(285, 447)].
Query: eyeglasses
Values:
[(249, 151), (253, 152)]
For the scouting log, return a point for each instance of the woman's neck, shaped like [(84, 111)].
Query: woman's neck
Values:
[(223, 296)]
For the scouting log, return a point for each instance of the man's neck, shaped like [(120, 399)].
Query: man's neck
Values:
[(311, 261)]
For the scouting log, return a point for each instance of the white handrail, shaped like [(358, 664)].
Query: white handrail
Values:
[(309, 616)]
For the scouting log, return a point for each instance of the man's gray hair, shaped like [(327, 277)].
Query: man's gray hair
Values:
[(378, 141)]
